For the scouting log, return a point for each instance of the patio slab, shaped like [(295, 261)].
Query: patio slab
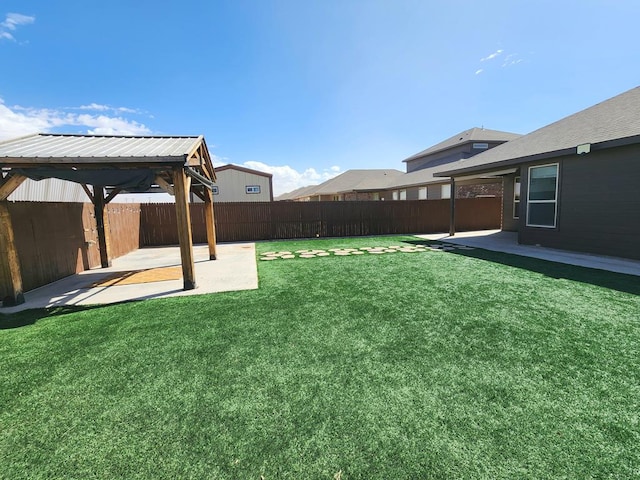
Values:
[(235, 269), (500, 241)]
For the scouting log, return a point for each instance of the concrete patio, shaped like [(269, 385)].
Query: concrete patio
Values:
[(235, 269), (500, 241)]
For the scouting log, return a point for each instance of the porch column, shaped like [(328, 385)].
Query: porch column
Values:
[(183, 217), (102, 223), (452, 203), (210, 223)]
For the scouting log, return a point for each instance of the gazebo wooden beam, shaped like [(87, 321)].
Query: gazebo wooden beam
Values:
[(10, 272), (9, 184), (452, 213), (181, 185)]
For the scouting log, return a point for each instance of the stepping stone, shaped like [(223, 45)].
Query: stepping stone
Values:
[(315, 252), (268, 258), (366, 248), (342, 254), (376, 252), (307, 255), (288, 256), (323, 254), (389, 250), (357, 253)]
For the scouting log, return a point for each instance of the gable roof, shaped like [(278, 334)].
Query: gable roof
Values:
[(297, 193), (61, 148), (358, 180), (610, 123), (472, 135), (230, 166)]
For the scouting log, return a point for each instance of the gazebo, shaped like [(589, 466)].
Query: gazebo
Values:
[(106, 165)]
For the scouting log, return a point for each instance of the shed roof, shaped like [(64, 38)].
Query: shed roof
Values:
[(61, 148), (472, 135), (231, 166), (615, 121)]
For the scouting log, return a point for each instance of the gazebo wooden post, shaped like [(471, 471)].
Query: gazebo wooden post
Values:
[(10, 272), (210, 223), (102, 223), (181, 190)]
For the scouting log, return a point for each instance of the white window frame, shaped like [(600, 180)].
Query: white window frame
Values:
[(555, 201), (403, 195), (481, 146), (394, 195), (252, 189), (422, 193), (445, 191)]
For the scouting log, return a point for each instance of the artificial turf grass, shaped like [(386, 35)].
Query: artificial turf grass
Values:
[(426, 365)]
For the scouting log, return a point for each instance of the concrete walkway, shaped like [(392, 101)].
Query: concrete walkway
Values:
[(235, 269), (507, 242)]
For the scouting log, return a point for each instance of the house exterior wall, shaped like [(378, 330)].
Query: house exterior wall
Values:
[(509, 223), (598, 207), (232, 185), (447, 156), (49, 190)]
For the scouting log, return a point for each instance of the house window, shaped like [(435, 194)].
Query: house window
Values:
[(480, 146), (516, 197), (252, 188), (395, 194), (542, 196), (445, 191), (422, 193), (215, 190), (376, 196), (403, 194)]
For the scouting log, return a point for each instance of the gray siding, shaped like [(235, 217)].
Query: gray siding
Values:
[(599, 204), (447, 156), (509, 223)]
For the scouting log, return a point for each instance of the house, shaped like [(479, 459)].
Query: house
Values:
[(572, 184), (366, 184), (463, 145), (241, 184), (419, 182)]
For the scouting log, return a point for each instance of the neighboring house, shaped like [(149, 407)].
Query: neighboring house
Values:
[(241, 184), (420, 182), (49, 190), (574, 183), (371, 184), (463, 145)]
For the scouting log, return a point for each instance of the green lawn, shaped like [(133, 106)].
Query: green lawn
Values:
[(399, 366)]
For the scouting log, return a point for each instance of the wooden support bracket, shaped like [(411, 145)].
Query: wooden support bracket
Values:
[(9, 185)]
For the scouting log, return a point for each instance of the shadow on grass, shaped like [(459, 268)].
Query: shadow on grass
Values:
[(616, 281), (31, 316)]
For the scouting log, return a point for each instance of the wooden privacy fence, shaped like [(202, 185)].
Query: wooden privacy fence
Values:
[(55, 240), (252, 221)]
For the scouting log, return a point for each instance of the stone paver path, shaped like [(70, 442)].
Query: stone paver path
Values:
[(344, 252)]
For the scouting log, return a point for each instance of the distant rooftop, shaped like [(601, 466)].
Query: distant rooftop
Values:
[(472, 135)]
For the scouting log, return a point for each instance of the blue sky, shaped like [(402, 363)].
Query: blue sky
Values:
[(306, 89)]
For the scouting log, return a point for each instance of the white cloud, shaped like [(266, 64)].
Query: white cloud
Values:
[(511, 59), (16, 121), (11, 22), (479, 71), (492, 56), (286, 178)]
